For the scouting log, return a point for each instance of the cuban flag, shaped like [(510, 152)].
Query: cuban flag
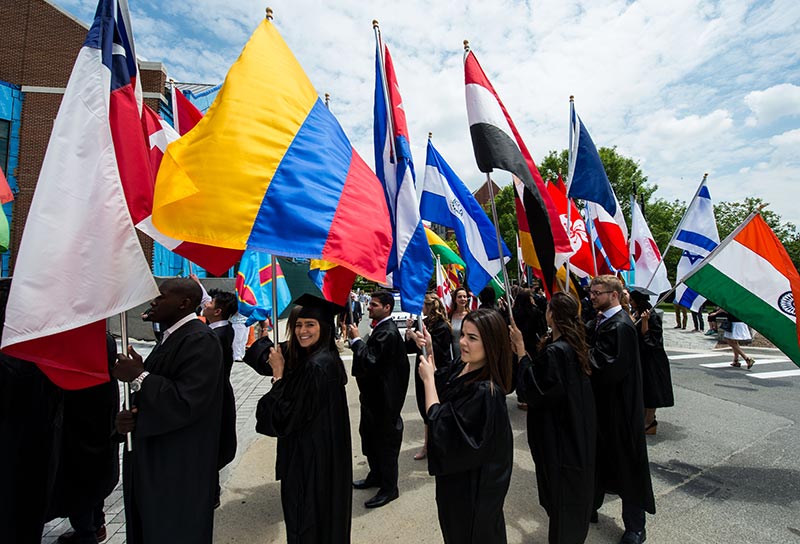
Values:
[(588, 181), (697, 236), (79, 260), (447, 201), (410, 266)]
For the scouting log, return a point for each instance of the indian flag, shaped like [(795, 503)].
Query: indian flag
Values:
[(751, 275)]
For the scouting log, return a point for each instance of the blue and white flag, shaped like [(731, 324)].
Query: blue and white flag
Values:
[(447, 201), (410, 266), (697, 236)]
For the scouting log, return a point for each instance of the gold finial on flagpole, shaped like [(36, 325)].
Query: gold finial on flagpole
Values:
[(466, 45), (375, 23), (269, 13)]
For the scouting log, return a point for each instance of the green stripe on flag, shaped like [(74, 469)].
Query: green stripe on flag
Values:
[(756, 312)]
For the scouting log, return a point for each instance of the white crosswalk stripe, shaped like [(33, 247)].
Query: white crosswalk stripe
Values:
[(776, 374), (758, 362)]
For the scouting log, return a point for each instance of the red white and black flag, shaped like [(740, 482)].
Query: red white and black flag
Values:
[(497, 144)]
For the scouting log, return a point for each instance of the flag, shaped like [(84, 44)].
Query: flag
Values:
[(588, 181), (184, 114), (410, 264), (441, 249), (520, 258), (581, 262), (651, 274), (268, 168), (751, 275), (697, 236), (447, 201), (334, 281), (5, 196), (254, 287), (79, 260), (497, 144), (443, 288), (216, 260)]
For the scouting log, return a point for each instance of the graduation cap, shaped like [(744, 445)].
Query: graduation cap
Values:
[(317, 308)]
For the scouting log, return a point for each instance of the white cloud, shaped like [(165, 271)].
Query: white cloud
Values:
[(671, 84), (773, 103)]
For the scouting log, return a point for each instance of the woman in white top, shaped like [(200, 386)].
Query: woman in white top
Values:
[(460, 309)]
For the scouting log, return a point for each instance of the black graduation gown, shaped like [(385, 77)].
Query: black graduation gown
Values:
[(227, 435), (656, 376), (170, 477), (442, 338), (470, 452), (622, 466), (381, 369), (31, 410), (88, 468), (307, 411), (561, 434)]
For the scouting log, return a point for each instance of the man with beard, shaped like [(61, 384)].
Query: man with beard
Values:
[(381, 369), (170, 477), (622, 466)]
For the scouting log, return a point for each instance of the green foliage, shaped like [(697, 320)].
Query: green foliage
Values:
[(507, 218)]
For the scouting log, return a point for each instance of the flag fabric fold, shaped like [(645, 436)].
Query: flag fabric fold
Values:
[(498, 144), (334, 281), (697, 236), (254, 287), (443, 288), (650, 274), (184, 114), (588, 181), (80, 262), (752, 276), (581, 261), (6, 195), (440, 249), (276, 168), (410, 266), (447, 201)]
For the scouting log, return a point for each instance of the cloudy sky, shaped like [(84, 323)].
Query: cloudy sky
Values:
[(684, 87)]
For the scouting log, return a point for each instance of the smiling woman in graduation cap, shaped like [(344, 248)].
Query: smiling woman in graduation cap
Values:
[(307, 410)]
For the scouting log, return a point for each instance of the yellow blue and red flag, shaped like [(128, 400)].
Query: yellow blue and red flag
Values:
[(268, 168), (254, 287), (333, 280)]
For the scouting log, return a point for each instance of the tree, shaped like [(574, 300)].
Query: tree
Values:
[(507, 219)]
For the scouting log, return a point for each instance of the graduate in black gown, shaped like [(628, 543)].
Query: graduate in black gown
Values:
[(470, 445), (170, 477), (436, 323), (561, 419), (656, 376), (307, 410)]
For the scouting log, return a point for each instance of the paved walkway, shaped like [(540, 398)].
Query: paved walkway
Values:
[(251, 511)]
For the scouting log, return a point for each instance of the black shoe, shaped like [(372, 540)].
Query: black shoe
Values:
[(382, 498), (366, 483), (633, 537), (593, 517)]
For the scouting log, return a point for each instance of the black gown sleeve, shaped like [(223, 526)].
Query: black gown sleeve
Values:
[(654, 337), (613, 354), (368, 354), (293, 401), (461, 430), (540, 381)]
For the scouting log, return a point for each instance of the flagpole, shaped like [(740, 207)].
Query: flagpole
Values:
[(126, 386), (499, 242), (569, 178), (174, 106), (590, 228), (389, 114), (713, 252), (677, 230)]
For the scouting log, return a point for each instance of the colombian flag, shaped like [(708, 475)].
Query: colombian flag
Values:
[(269, 169)]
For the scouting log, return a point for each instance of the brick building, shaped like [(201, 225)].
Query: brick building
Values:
[(39, 43)]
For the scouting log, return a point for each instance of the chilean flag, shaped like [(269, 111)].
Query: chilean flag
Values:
[(410, 264), (79, 260), (588, 181), (216, 260)]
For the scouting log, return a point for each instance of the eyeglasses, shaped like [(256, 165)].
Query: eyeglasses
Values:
[(598, 293)]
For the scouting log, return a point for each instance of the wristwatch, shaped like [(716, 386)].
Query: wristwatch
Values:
[(136, 384)]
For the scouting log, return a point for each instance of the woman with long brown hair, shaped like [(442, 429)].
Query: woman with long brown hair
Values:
[(561, 419), (470, 445), (436, 324), (457, 313)]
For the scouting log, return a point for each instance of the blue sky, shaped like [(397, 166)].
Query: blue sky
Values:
[(684, 87)]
